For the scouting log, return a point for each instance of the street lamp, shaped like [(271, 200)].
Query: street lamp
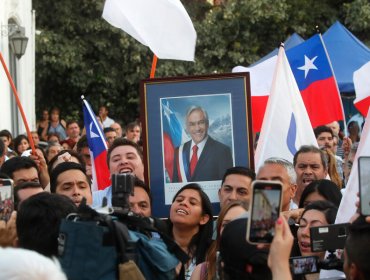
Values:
[(18, 44), (17, 39)]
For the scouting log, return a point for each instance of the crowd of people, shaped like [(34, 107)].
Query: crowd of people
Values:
[(53, 182)]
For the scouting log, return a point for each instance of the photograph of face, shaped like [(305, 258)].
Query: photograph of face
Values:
[(197, 141), (194, 129)]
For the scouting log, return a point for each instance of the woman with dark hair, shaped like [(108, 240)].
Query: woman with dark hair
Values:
[(53, 138), (190, 225), (354, 131), (320, 190), (21, 144), (43, 125), (332, 168), (207, 270), (318, 213)]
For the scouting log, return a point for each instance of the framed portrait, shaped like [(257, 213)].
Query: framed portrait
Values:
[(194, 128)]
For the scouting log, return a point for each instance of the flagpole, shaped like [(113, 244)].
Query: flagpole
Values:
[(30, 139), (154, 65), (336, 84)]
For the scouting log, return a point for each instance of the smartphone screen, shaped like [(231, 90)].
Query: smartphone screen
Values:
[(364, 183), (304, 265), (6, 199), (264, 211)]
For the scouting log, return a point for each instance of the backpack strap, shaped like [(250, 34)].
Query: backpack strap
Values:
[(121, 238)]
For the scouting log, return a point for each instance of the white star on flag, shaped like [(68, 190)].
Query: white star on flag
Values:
[(308, 65), (167, 111)]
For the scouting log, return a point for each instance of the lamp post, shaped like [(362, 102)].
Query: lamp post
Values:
[(17, 39)]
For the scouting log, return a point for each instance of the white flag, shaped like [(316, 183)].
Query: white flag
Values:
[(361, 81), (162, 25), (286, 125), (347, 207)]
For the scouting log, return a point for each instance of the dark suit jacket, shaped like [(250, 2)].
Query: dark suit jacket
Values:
[(212, 163)]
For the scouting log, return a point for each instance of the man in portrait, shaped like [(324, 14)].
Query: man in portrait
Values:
[(202, 158)]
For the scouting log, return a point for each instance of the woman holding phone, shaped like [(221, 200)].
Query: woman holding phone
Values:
[(318, 213)]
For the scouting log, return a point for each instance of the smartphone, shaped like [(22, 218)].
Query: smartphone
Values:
[(364, 184), (6, 199), (328, 238), (264, 210), (304, 265)]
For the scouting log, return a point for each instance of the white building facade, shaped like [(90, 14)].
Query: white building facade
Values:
[(20, 13)]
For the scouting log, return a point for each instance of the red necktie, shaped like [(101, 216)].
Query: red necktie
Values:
[(194, 160)]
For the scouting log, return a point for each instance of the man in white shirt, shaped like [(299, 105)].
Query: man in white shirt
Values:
[(124, 156), (103, 114)]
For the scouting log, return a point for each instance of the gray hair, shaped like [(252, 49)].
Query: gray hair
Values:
[(197, 108), (284, 163)]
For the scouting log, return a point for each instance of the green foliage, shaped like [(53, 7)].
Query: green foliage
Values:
[(358, 18), (78, 52)]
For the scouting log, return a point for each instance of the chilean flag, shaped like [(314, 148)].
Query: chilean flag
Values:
[(172, 136), (98, 149), (286, 125), (316, 82), (261, 79)]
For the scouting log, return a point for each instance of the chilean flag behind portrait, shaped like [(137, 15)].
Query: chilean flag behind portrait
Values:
[(316, 82), (286, 126), (172, 136), (98, 149)]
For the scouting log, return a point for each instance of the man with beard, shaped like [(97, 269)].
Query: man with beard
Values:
[(310, 164), (325, 139)]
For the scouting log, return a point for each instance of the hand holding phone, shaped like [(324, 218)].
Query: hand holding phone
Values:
[(8, 231), (264, 210), (278, 259)]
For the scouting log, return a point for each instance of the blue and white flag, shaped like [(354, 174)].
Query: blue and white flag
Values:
[(98, 149), (286, 125)]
